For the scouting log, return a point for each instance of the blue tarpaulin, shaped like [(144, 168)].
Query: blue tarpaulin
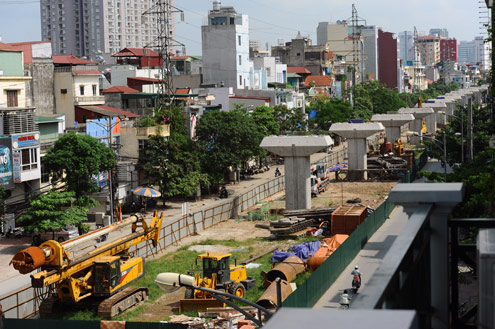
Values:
[(338, 167), (312, 114), (302, 250)]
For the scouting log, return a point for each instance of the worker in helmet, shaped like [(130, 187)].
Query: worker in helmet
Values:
[(356, 278)]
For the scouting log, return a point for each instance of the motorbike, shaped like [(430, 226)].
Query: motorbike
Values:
[(14, 232), (356, 283)]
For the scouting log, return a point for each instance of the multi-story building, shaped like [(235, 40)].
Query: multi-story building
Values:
[(467, 52), (98, 27), (406, 46), (388, 68), (448, 50), (482, 51), (338, 37), (275, 71), (19, 135), (225, 40), (443, 33), (429, 49), (370, 36), (301, 52)]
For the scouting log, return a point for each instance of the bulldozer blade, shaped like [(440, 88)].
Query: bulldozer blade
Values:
[(199, 304)]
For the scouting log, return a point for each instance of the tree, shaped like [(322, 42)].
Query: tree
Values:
[(55, 210), (226, 139), (76, 159), (383, 99), (264, 117), (290, 120), (328, 111), (172, 163)]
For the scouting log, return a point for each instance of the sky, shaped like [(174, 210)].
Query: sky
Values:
[(271, 20)]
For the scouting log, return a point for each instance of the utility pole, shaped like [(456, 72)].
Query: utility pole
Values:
[(163, 11), (417, 59), (470, 153)]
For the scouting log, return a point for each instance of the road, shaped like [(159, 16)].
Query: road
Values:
[(369, 258)]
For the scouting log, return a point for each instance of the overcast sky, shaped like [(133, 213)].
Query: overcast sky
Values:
[(270, 20)]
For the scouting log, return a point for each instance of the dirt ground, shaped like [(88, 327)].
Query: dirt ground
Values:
[(372, 194)]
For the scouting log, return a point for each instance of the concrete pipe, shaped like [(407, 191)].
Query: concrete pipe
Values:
[(287, 270), (269, 298)]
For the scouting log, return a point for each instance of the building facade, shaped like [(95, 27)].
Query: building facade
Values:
[(428, 49), (448, 50), (98, 27), (225, 41), (406, 46), (443, 33), (388, 68), (370, 39), (20, 167)]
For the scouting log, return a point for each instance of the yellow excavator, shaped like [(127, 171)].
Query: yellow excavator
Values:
[(218, 274), (423, 122), (98, 278)]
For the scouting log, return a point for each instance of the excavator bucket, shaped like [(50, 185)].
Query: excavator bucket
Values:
[(199, 304)]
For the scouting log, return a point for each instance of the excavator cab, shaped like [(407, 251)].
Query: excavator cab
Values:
[(216, 265), (107, 275)]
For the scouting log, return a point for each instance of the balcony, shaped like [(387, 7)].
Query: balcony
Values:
[(162, 130), (89, 100)]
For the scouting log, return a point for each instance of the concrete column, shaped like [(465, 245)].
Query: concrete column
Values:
[(296, 151), (392, 123), (299, 182), (356, 134), (444, 197), (416, 125)]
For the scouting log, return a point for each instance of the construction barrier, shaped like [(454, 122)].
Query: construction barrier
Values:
[(320, 280), (24, 303), (78, 324)]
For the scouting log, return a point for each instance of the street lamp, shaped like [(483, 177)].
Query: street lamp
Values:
[(413, 133), (462, 131), (109, 127)]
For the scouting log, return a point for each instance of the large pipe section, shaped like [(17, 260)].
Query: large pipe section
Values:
[(287, 270), (269, 298)]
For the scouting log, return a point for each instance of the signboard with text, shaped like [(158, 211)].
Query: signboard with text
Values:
[(16, 160), (25, 140)]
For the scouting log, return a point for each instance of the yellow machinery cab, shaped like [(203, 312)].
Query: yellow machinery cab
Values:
[(114, 272)]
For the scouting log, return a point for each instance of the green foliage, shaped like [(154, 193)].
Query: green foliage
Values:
[(146, 121), (227, 139), (289, 120), (328, 111), (53, 211), (79, 157), (264, 117), (382, 98)]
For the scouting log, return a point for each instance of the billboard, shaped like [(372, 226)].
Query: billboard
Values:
[(6, 168)]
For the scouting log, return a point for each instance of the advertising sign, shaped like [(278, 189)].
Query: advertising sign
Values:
[(6, 168), (25, 140), (16, 160)]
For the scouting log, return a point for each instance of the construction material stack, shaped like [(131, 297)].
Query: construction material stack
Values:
[(346, 218)]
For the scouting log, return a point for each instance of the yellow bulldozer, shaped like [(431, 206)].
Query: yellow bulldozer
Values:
[(218, 274)]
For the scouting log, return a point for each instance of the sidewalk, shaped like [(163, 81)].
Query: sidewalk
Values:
[(369, 258)]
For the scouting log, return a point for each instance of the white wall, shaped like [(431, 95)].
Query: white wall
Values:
[(221, 95)]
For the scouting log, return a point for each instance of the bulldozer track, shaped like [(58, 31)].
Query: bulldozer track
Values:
[(121, 301)]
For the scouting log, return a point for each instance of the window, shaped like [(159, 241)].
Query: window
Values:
[(12, 98), (142, 143), (240, 80), (45, 175), (240, 60), (29, 159), (81, 90), (239, 40), (63, 91), (94, 90)]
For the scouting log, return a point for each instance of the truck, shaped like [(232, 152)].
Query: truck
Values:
[(320, 178), (98, 278)]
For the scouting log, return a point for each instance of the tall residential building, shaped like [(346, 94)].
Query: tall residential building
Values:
[(448, 49), (444, 33), (429, 49), (98, 27), (388, 68), (370, 37), (467, 52), (225, 42), (406, 46), (482, 51), (475, 52)]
